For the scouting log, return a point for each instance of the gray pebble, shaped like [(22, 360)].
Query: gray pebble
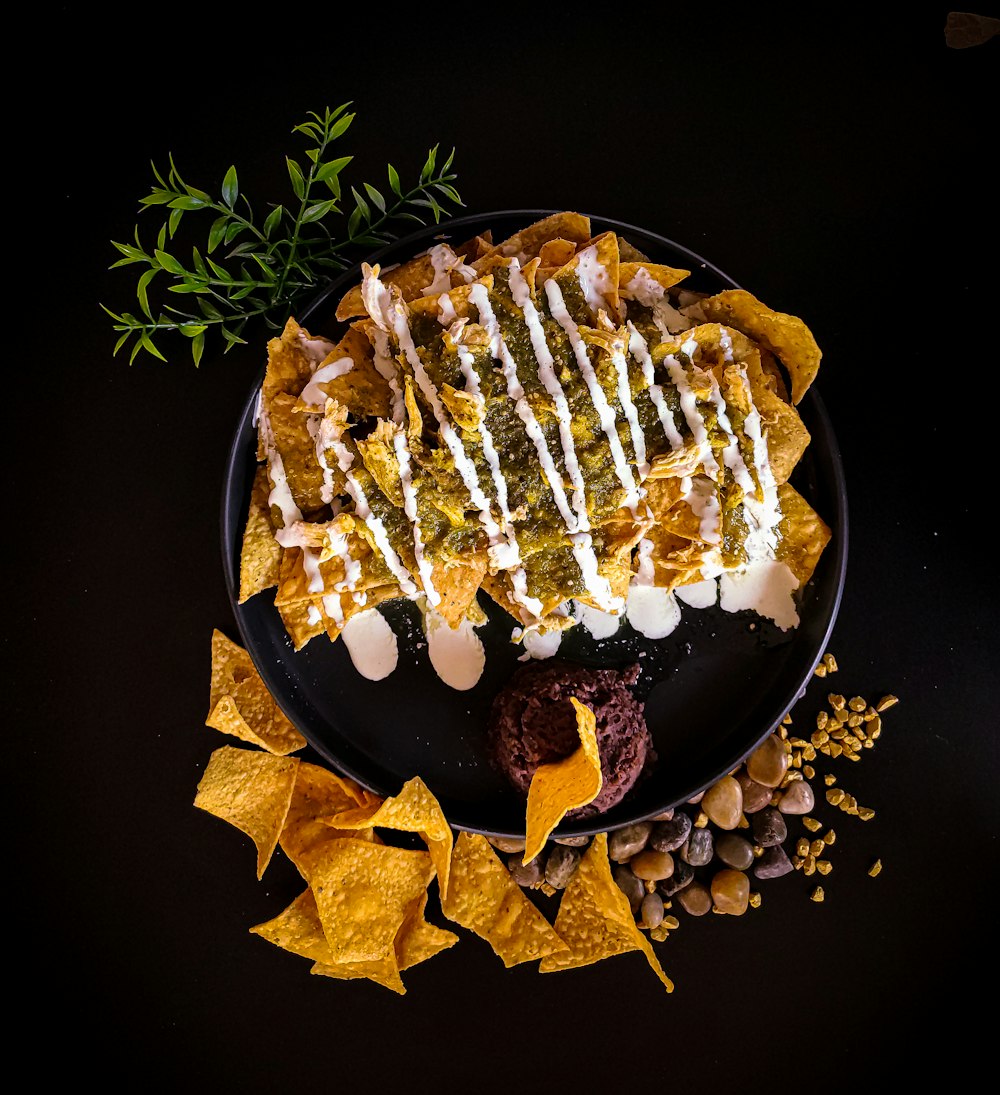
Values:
[(668, 836), (573, 841), (682, 876), (734, 851), (560, 865), (698, 849), (525, 874), (769, 828), (773, 863), (630, 886), (652, 910), (629, 841)]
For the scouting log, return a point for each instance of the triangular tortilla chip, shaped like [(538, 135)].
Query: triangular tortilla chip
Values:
[(484, 898), (595, 919), (250, 790)]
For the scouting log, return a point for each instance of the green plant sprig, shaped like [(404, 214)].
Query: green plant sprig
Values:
[(265, 268)]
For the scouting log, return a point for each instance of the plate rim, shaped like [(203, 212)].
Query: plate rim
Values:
[(231, 533)]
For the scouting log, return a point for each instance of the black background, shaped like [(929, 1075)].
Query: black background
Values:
[(836, 167)]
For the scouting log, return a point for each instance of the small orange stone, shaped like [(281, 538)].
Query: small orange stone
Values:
[(723, 802)]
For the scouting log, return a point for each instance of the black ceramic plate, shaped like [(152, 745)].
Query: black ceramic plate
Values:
[(713, 689)]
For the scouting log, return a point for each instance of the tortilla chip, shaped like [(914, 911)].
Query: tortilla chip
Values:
[(291, 360), (787, 436), (411, 278), (297, 929), (418, 939), (527, 243), (384, 972), (363, 892), (317, 794), (260, 553), (484, 898), (413, 810), (241, 705), (300, 624), (563, 785), (295, 445), (457, 585), (664, 276), (629, 252), (595, 920), (362, 389), (782, 334), (802, 534), (250, 790)]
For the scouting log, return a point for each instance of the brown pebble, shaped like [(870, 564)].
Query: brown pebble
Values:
[(652, 910), (731, 892), (667, 815), (652, 865), (768, 763), (507, 843), (755, 795), (697, 798), (798, 799), (695, 899), (723, 803)]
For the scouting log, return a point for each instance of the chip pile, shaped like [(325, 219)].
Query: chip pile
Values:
[(545, 419), (362, 912)]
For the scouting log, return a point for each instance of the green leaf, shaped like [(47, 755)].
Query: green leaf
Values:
[(295, 174), (352, 223), (221, 272), (334, 184), (341, 127), (428, 168), (394, 181), (449, 192), (209, 310), (273, 220), (157, 197), (376, 198), (147, 345), (141, 290), (121, 342), (362, 205), (174, 220), (197, 348), (217, 233), (230, 188), (161, 239), (234, 229), (333, 167), (169, 263), (198, 263), (188, 202), (318, 211)]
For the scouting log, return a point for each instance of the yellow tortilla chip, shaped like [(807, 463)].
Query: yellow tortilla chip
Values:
[(383, 971), (260, 554), (664, 276), (563, 785), (413, 810), (484, 898), (782, 334), (595, 920), (241, 705), (418, 939), (291, 359), (787, 436), (527, 243), (295, 445), (362, 389), (300, 624), (363, 892), (250, 790), (457, 585), (802, 534), (317, 794)]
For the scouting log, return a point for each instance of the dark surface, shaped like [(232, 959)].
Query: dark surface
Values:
[(835, 166), (712, 689)]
